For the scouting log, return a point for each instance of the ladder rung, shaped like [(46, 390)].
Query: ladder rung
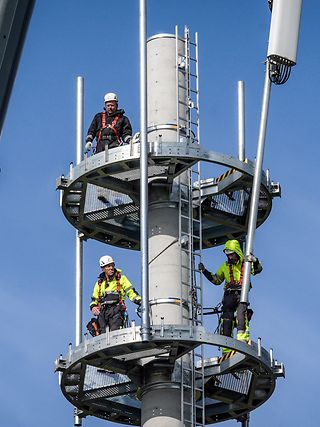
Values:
[(185, 216), (189, 387)]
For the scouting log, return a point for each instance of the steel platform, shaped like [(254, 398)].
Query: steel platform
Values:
[(103, 376), (101, 195)]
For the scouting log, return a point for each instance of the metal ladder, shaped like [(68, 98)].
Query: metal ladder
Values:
[(190, 236)]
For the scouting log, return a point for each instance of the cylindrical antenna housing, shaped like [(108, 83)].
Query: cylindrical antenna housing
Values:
[(283, 39), (284, 31), (165, 76)]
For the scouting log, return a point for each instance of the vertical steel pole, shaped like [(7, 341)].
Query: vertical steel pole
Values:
[(79, 243), (79, 248), (145, 327), (241, 122), (79, 264), (253, 214), (245, 423), (80, 103)]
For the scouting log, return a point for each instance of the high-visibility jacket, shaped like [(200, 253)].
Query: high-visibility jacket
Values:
[(123, 286), (232, 274)]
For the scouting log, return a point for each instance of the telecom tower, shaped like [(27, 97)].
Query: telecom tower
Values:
[(156, 374)]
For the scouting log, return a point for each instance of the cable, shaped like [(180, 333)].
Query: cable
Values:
[(163, 250), (279, 69)]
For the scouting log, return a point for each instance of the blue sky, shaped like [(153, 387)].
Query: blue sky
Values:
[(99, 40)]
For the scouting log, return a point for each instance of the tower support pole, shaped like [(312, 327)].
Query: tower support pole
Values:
[(241, 122), (253, 213), (79, 242), (163, 401), (145, 324)]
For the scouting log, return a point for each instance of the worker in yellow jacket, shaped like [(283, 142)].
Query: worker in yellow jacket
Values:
[(230, 272), (109, 294)]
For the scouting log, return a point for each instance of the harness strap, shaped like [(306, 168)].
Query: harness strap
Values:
[(118, 277), (103, 124), (112, 126), (232, 281), (99, 293)]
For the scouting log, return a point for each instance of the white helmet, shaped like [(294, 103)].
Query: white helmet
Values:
[(105, 260), (110, 97)]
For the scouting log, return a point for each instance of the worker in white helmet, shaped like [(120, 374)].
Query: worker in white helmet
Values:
[(108, 299), (110, 127)]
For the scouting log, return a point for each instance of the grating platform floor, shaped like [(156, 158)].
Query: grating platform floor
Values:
[(101, 195), (103, 375)]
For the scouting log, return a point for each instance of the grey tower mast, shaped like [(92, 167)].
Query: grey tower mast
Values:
[(156, 375)]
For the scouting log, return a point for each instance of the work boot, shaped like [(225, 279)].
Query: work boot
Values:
[(243, 336)]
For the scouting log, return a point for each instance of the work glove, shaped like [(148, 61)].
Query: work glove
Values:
[(88, 146), (207, 274), (136, 138), (201, 267), (127, 139), (95, 311), (250, 258)]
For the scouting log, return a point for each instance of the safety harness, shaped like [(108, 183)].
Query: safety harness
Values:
[(118, 278), (112, 126), (232, 282), (93, 326)]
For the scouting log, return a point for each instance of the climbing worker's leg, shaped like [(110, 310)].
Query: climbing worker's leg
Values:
[(227, 318), (116, 318), (229, 304), (101, 145), (102, 319), (243, 332)]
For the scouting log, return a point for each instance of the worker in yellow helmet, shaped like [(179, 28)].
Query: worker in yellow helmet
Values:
[(230, 272), (108, 299)]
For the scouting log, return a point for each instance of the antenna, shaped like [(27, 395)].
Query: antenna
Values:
[(283, 38), (282, 52)]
